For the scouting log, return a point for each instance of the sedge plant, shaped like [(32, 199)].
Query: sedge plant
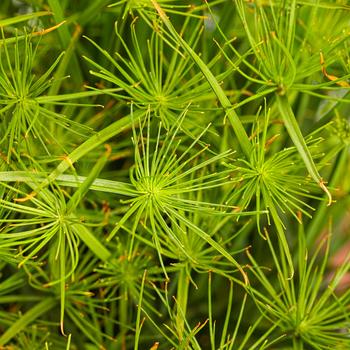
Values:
[(173, 175)]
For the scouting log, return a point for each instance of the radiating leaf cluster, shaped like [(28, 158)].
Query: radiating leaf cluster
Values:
[(170, 173)]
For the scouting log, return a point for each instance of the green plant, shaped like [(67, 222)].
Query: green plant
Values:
[(173, 174)]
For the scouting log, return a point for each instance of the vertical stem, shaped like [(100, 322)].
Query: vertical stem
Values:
[(65, 38), (210, 313), (123, 315), (298, 344), (280, 233), (182, 299), (318, 221), (62, 280)]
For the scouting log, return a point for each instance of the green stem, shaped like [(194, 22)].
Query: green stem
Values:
[(24, 321), (65, 38), (182, 299), (102, 185), (22, 18), (295, 134), (237, 125), (298, 344), (123, 315), (280, 233), (90, 144), (318, 221), (91, 241)]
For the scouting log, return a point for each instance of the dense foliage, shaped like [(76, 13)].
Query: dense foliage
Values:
[(174, 174)]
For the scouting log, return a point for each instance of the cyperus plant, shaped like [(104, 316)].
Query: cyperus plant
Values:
[(173, 175)]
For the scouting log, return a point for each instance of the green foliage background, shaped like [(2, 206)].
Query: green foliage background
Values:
[(174, 174)]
